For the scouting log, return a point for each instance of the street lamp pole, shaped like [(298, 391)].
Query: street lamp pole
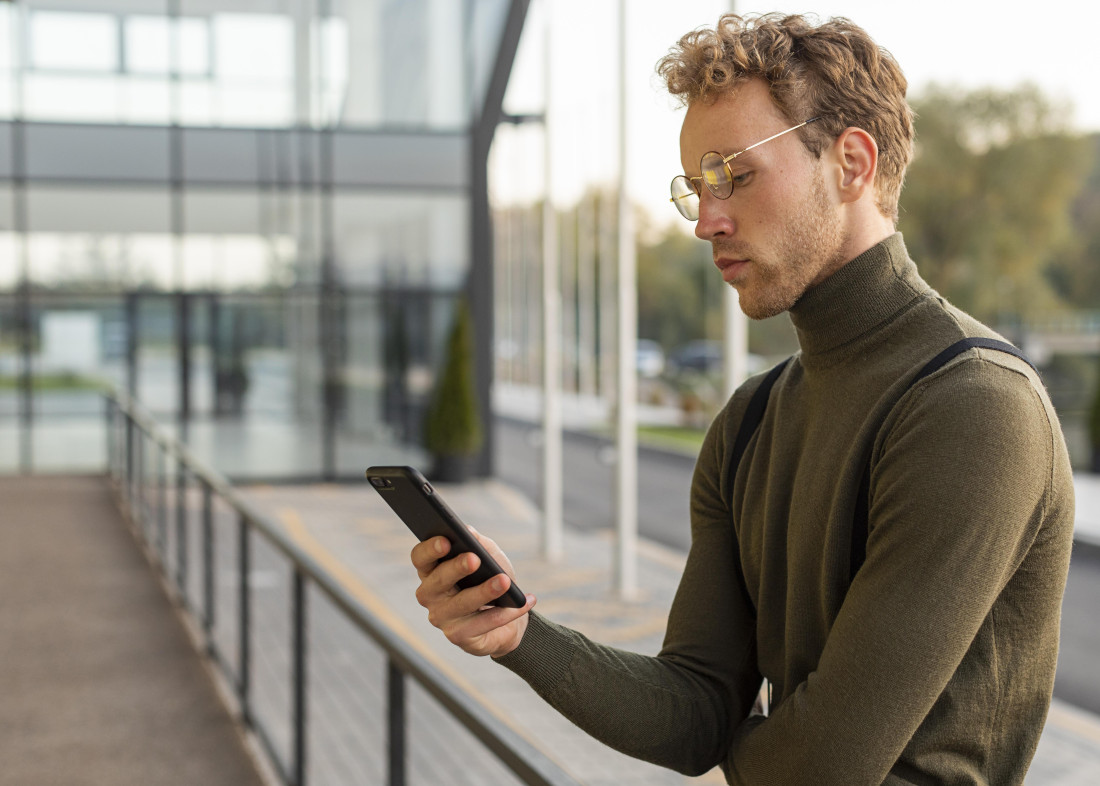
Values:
[(626, 415), (735, 328)]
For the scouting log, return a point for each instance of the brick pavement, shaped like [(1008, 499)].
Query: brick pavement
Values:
[(349, 530)]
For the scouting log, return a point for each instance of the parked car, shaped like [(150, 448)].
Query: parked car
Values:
[(650, 358), (706, 357), (699, 356)]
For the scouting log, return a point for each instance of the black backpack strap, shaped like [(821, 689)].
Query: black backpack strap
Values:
[(940, 360), (754, 413), (859, 517)]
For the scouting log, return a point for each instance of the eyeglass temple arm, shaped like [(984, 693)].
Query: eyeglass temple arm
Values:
[(732, 156), (685, 196)]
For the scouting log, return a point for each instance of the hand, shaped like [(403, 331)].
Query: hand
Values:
[(464, 616)]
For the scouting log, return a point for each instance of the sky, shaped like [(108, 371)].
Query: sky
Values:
[(963, 43)]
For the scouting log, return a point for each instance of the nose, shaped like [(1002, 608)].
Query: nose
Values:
[(714, 217)]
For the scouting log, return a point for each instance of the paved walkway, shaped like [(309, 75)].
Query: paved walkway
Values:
[(99, 680), (349, 530)]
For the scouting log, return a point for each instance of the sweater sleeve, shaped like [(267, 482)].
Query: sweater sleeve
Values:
[(680, 708), (960, 486)]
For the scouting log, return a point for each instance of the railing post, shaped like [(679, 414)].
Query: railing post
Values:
[(395, 694), (129, 478), (181, 531), (299, 675), (162, 508), (109, 425), (139, 482), (208, 563), (243, 616)]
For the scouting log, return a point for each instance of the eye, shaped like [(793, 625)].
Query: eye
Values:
[(742, 179)]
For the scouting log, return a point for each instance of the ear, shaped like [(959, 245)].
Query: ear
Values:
[(857, 154)]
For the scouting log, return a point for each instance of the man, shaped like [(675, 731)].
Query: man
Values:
[(935, 662)]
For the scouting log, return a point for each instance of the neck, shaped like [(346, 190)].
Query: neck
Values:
[(865, 228)]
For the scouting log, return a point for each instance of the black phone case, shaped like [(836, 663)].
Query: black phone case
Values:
[(424, 512)]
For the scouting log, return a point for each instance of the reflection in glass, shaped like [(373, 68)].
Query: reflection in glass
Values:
[(73, 41)]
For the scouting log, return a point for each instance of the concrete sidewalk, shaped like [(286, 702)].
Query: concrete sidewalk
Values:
[(349, 530), (100, 682), (1087, 524)]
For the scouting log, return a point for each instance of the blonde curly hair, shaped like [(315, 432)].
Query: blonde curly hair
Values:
[(832, 70)]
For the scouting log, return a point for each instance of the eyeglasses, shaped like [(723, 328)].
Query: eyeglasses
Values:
[(718, 176)]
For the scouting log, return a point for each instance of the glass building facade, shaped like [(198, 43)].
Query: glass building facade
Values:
[(254, 215)]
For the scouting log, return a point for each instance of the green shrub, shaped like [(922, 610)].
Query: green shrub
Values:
[(1094, 419), (453, 422)]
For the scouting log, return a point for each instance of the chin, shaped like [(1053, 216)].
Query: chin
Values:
[(758, 308)]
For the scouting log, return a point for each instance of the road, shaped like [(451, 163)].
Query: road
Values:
[(663, 483)]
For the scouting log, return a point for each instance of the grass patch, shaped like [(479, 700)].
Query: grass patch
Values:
[(50, 382), (686, 440)]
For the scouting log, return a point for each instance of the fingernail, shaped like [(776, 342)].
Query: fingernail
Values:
[(439, 547), (498, 584)]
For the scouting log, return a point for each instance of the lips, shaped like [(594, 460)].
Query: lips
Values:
[(730, 267)]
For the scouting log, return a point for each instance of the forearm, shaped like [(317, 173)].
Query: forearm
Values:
[(651, 708)]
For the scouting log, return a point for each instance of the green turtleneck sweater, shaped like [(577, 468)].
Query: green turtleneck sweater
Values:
[(937, 664)]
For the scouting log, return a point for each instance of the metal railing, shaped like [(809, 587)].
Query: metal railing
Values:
[(139, 451)]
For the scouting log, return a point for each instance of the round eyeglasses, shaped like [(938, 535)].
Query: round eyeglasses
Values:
[(718, 176)]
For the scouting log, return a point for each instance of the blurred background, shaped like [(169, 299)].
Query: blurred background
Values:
[(283, 225), (259, 214)]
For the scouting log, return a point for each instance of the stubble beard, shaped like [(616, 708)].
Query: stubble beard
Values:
[(809, 241)]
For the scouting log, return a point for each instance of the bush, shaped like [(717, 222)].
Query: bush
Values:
[(1094, 426), (453, 423)]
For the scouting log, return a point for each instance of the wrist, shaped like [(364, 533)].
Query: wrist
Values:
[(513, 643)]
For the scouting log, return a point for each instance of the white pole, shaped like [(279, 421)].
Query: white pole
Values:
[(551, 342), (735, 329), (626, 486), (735, 332)]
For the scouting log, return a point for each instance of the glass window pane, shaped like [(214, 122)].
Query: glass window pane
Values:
[(7, 62), (226, 262), (7, 50), (245, 104), (145, 100), (99, 261), (9, 261), (407, 239), (254, 47), (406, 64), (148, 44), (194, 46), (73, 41), (91, 98), (70, 365)]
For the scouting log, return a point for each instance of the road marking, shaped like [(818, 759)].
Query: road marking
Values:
[(1080, 722), (304, 539)]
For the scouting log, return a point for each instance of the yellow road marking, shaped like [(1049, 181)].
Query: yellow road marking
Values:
[(1071, 719), (304, 539)]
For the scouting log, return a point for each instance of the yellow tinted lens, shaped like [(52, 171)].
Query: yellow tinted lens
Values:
[(685, 198), (716, 174)]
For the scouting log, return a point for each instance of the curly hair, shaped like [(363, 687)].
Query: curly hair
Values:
[(832, 70)]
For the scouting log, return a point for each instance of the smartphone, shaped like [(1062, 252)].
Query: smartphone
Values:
[(425, 513)]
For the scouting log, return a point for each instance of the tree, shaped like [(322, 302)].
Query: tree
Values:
[(453, 430), (1076, 274), (674, 276), (986, 206)]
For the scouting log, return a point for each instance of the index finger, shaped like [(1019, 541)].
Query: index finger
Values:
[(426, 554)]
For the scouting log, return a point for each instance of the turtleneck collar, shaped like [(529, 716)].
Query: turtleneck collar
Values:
[(863, 294)]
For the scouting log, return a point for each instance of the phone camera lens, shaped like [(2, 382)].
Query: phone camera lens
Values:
[(378, 483)]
